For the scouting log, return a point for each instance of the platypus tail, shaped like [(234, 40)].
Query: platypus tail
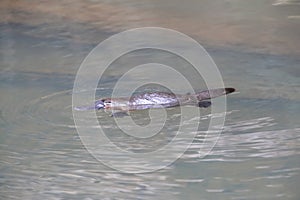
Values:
[(209, 94)]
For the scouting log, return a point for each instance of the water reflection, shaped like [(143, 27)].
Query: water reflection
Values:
[(49, 151), (262, 25)]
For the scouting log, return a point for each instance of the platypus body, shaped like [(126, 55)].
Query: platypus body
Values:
[(149, 100)]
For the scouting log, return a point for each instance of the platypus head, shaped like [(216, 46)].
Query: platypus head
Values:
[(99, 104)]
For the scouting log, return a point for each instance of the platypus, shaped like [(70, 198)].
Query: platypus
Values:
[(149, 100)]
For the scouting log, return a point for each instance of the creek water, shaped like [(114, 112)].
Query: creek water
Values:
[(255, 45)]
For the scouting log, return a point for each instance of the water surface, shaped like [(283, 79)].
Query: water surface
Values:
[(255, 44)]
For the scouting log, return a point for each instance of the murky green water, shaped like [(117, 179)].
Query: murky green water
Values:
[(256, 47)]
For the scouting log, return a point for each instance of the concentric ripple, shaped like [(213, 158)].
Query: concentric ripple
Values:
[(54, 109), (37, 112)]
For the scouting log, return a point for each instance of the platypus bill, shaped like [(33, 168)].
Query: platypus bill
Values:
[(157, 100)]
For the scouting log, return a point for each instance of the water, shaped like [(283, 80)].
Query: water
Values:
[(256, 47)]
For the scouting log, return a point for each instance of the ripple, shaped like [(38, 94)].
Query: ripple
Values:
[(54, 109), (286, 2), (240, 141)]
